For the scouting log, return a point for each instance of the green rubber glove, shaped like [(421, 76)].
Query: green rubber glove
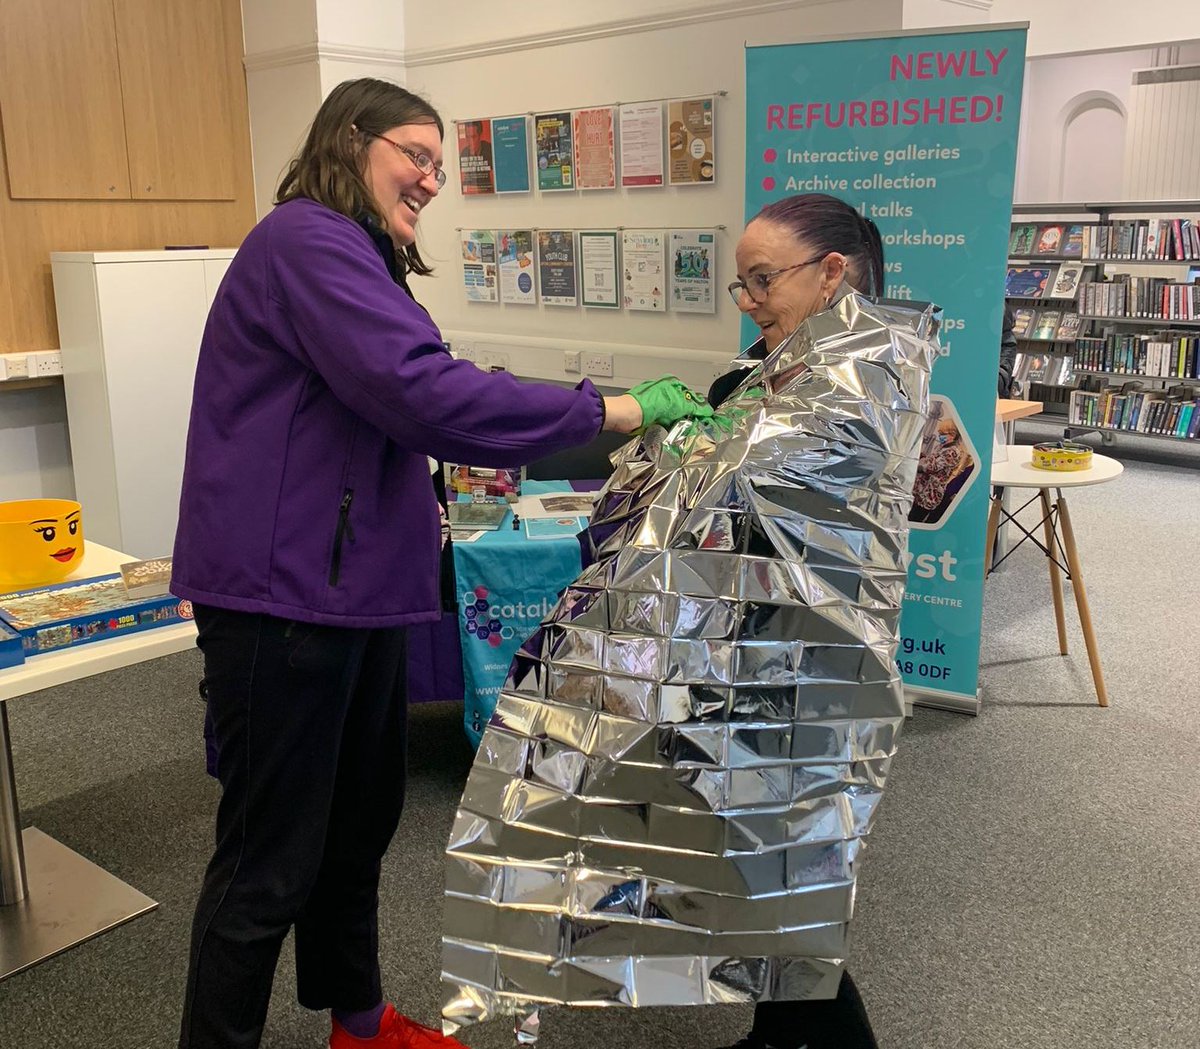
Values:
[(667, 400)]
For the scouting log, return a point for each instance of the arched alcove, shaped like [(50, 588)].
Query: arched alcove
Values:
[(1089, 165)]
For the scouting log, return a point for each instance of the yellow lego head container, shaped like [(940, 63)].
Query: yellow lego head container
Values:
[(1063, 456), (41, 542)]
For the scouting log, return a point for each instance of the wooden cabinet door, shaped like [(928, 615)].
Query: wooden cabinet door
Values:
[(60, 100), (176, 83)]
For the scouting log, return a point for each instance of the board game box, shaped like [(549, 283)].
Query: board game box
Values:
[(50, 618), (12, 654)]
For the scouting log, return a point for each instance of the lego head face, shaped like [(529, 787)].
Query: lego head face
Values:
[(41, 542)]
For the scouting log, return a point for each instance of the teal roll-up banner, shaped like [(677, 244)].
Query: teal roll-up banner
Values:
[(919, 132)]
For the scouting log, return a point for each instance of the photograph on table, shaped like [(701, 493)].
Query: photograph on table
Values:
[(475, 157)]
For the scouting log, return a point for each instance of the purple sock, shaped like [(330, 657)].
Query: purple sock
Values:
[(362, 1023)]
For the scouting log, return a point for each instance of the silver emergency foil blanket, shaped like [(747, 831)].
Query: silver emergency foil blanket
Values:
[(670, 803)]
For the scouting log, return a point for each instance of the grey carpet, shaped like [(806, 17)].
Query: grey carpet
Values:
[(1032, 881)]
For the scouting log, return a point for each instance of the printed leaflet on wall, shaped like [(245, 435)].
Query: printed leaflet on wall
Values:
[(556, 267), (645, 284), (641, 145), (598, 267), (693, 270), (517, 266), (479, 265)]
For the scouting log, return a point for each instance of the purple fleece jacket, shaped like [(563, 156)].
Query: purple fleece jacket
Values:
[(320, 389)]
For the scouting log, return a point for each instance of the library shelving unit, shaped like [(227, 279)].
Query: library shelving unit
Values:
[(1107, 298)]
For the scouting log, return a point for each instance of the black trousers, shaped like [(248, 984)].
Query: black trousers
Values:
[(833, 1023), (311, 726)]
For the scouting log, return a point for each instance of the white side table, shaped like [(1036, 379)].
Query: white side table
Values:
[(1018, 472), (51, 898)]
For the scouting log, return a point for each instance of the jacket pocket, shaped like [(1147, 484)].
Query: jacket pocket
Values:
[(344, 530)]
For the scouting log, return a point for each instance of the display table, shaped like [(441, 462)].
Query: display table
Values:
[(507, 584), (1008, 411), (51, 898), (1016, 471)]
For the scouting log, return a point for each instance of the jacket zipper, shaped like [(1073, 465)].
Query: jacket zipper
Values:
[(344, 529)]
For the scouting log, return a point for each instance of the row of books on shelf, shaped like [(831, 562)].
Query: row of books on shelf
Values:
[(1148, 240), (1045, 325), (1154, 298), (1047, 281), (1049, 369), (1159, 355), (1136, 411)]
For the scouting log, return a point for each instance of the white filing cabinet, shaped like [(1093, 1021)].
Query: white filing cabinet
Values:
[(130, 323)]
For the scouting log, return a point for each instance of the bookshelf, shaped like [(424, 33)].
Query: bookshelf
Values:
[(1107, 302)]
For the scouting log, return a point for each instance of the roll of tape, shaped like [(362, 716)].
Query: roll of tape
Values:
[(1063, 456)]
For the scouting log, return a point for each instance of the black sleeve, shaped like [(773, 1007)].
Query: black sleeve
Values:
[(725, 384), (1008, 355)]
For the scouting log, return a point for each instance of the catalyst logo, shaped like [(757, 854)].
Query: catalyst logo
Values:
[(495, 623)]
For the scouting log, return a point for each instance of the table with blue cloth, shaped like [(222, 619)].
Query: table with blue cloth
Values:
[(507, 583)]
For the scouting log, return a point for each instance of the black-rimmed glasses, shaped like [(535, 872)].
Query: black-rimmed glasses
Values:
[(758, 285), (423, 161)]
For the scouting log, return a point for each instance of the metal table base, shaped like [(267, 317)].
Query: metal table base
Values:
[(70, 900)]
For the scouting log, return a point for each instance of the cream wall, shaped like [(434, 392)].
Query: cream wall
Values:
[(1058, 27), (563, 68)]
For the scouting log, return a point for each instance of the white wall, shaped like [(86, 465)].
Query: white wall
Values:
[(1059, 27), (1074, 118), (35, 451), (580, 67)]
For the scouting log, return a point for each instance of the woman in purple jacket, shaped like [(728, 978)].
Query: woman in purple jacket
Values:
[(309, 539)]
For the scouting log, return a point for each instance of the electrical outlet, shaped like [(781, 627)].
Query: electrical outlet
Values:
[(490, 361), (44, 363), (465, 351), (599, 364), (571, 361), (13, 366)]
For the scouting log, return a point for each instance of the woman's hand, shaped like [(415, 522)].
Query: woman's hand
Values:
[(622, 414)]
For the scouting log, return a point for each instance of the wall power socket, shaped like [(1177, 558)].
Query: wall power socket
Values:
[(44, 363), (13, 366)]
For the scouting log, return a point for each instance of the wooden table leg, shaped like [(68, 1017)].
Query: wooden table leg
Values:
[(993, 523), (1081, 604), (1056, 589)]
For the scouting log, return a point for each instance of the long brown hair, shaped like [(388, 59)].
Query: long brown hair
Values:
[(330, 165)]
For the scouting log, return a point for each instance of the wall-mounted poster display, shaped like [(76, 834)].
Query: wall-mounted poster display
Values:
[(693, 270), (479, 265), (556, 267), (517, 266), (555, 153), (690, 139), (645, 283), (598, 268), (595, 148), (510, 151), (475, 157), (641, 144)]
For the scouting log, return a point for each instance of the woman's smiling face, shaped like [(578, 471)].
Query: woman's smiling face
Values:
[(791, 296), (400, 188)]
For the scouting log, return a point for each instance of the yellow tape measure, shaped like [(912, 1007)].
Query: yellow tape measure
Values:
[(1062, 456)]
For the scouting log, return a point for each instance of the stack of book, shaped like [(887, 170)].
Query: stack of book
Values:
[(1153, 298), (1158, 355), (1144, 240), (1137, 411)]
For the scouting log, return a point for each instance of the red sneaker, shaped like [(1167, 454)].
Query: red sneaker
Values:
[(396, 1031)]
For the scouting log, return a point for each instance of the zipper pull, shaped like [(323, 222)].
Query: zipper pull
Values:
[(347, 499)]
